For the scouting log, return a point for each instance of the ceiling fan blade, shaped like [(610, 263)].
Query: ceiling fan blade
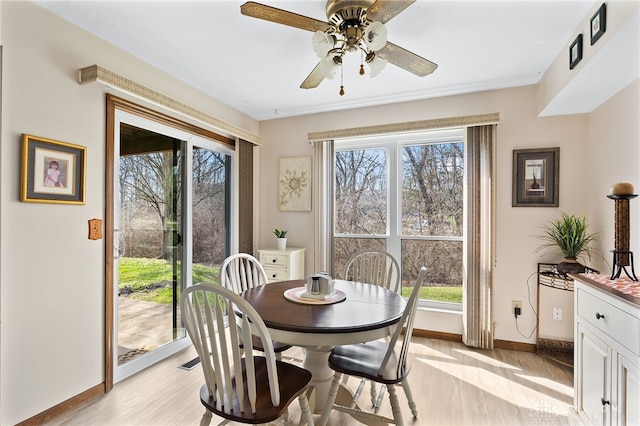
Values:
[(279, 16), (315, 77), (406, 60), (384, 10)]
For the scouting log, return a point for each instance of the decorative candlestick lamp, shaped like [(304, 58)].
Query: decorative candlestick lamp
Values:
[(621, 193)]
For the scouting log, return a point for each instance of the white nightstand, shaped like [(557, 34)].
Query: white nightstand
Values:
[(282, 265)]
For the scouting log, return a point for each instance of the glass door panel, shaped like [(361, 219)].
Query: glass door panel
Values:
[(210, 213), (166, 181), (150, 223)]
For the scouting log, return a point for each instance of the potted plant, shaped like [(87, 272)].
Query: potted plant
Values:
[(282, 238), (569, 237)]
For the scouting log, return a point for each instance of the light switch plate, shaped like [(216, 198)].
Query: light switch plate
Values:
[(95, 229)]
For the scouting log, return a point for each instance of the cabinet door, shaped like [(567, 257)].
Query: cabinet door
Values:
[(629, 393), (594, 370)]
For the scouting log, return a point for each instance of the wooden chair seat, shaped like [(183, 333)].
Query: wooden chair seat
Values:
[(278, 347), (364, 360), (296, 382)]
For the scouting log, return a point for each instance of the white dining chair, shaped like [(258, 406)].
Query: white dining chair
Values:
[(374, 267), (239, 385), (380, 268), (381, 362), (243, 271)]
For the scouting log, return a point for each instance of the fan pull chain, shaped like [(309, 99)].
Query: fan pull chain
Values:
[(341, 81)]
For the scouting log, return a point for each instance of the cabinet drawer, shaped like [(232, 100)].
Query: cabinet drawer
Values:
[(277, 274), (611, 320), (272, 260)]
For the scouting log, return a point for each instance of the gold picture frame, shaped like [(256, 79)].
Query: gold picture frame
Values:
[(294, 184), (52, 171)]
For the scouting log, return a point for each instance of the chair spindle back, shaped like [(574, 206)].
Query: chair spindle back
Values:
[(406, 322), (206, 311), (242, 271), (374, 267)]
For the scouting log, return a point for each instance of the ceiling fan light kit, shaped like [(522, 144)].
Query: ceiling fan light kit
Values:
[(352, 26)]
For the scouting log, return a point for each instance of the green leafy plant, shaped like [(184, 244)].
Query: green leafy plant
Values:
[(568, 235), (280, 233)]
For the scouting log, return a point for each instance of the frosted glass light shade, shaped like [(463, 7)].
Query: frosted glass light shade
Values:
[(375, 36), (322, 43), (376, 66)]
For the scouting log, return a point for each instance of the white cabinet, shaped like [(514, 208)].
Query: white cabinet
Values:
[(607, 355), (629, 380), (282, 265)]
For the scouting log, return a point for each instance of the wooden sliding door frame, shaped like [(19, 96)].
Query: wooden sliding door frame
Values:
[(114, 103)]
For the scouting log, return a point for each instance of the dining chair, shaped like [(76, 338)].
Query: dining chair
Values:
[(243, 271), (381, 362), (380, 268), (374, 267), (239, 385)]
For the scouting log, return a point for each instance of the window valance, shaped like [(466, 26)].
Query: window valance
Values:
[(96, 73), (411, 126)]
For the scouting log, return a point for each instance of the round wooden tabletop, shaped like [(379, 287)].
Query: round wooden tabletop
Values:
[(369, 312)]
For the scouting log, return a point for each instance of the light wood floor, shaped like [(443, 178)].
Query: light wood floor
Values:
[(452, 385)]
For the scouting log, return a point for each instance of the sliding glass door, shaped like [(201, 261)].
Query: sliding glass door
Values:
[(172, 218)]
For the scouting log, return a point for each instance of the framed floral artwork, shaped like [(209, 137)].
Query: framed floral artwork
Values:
[(294, 184), (52, 171)]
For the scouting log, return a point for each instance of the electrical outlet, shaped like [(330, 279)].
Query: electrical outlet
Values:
[(516, 307), (557, 313)]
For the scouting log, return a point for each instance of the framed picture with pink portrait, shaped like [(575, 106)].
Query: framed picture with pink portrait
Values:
[(52, 171)]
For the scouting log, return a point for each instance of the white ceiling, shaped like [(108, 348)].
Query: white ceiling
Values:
[(257, 66)]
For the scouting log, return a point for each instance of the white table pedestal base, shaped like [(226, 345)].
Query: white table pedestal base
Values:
[(316, 360)]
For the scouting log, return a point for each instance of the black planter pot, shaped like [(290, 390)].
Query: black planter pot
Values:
[(570, 266)]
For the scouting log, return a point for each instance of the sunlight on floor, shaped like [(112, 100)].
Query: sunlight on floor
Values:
[(543, 396), (549, 384), (485, 359)]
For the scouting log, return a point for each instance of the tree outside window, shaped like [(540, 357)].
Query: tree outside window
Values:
[(425, 178)]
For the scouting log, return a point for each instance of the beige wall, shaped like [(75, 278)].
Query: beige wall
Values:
[(51, 275), (614, 156), (588, 166), (519, 128)]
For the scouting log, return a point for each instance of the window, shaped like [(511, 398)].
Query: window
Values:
[(404, 194)]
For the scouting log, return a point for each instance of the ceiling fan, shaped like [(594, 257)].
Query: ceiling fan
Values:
[(352, 26)]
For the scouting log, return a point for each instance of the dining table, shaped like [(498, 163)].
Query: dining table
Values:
[(357, 312)]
